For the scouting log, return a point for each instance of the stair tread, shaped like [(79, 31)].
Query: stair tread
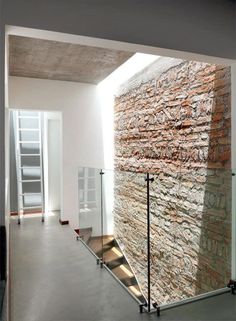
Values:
[(123, 271), (107, 240), (135, 290), (85, 234), (112, 254), (95, 243)]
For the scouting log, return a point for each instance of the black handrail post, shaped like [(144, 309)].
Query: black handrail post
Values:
[(148, 179), (101, 181)]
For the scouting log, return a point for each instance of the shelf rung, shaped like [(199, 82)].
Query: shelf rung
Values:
[(28, 194), (29, 117), (30, 167), (29, 142), (30, 180), (29, 129), (30, 154)]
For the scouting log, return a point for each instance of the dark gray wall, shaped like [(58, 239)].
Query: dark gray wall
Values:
[(2, 134), (201, 26)]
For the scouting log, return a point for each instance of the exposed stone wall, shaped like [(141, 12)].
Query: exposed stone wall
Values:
[(176, 125)]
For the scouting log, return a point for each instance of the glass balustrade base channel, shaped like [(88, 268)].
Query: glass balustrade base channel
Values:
[(158, 308), (232, 286)]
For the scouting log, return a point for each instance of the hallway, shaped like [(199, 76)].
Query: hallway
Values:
[(55, 278)]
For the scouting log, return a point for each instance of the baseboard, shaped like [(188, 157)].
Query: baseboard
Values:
[(63, 222), (77, 231), (13, 213)]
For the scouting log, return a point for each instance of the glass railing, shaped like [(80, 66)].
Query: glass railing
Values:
[(130, 212), (90, 209), (191, 221), (166, 236)]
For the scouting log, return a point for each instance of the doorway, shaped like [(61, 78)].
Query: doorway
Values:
[(35, 163)]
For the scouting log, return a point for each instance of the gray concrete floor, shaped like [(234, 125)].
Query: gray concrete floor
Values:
[(55, 278)]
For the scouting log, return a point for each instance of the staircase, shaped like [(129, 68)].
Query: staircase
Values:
[(107, 248)]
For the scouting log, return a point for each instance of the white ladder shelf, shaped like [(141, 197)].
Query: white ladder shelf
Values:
[(22, 179)]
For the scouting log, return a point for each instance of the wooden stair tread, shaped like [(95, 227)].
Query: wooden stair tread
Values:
[(123, 271), (95, 243), (85, 234), (135, 290), (112, 254), (107, 239)]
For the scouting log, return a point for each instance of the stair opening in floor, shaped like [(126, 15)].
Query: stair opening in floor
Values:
[(108, 249)]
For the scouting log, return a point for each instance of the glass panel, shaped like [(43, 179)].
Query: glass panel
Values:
[(81, 172), (91, 196), (91, 183), (90, 228), (81, 196), (111, 255), (125, 229), (91, 172), (190, 233)]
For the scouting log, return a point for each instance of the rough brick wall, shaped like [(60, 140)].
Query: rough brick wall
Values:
[(177, 126)]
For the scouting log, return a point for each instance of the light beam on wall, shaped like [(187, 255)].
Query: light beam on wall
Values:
[(107, 90)]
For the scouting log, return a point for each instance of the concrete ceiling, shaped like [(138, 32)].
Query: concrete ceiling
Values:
[(45, 59)]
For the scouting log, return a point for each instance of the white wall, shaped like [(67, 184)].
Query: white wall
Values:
[(52, 159), (81, 125), (54, 156)]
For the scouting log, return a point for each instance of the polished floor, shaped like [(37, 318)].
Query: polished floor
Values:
[(55, 278)]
